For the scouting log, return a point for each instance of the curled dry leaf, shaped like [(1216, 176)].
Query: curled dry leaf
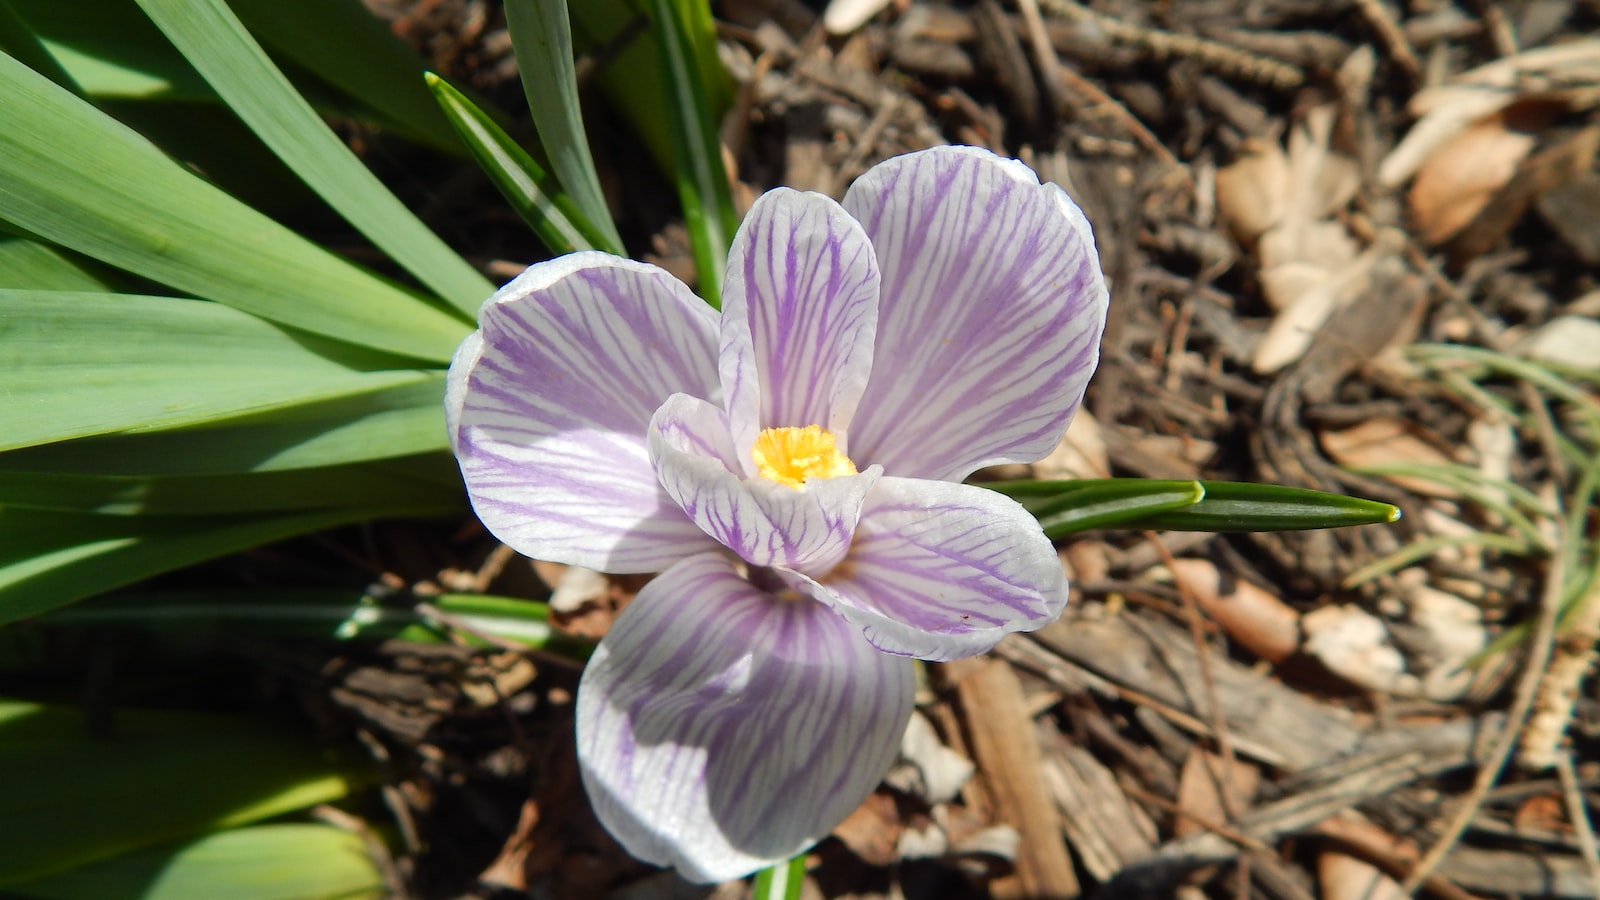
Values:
[(845, 16), (1253, 192), (1283, 203), (1354, 644), (1457, 181), (1081, 453), (1257, 620), (927, 768), (576, 588), (1208, 786), (1344, 877), (1568, 72), (1383, 441), (1569, 341), (873, 831), (1453, 633), (1301, 319)]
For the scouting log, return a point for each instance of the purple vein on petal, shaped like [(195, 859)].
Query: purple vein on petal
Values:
[(802, 305), (991, 314), (574, 357)]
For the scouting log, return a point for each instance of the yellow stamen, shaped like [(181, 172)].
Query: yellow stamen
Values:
[(794, 456)]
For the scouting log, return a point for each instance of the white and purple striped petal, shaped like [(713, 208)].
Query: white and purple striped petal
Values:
[(990, 316), (548, 405), (800, 311), (722, 729), (942, 571), (767, 524)]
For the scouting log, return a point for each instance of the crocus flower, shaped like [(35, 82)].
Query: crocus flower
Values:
[(793, 470)]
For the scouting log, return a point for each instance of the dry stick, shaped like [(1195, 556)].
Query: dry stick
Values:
[(1579, 814), (1163, 44), (1379, 16), (1527, 690), (1044, 55), (1143, 135), (1208, 682)]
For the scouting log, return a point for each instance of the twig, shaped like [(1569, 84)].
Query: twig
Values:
[(1521, 705), (1579, 814), (1163, 45), (1208, 683), (1381, 18)]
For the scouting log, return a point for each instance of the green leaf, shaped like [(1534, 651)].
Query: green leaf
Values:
[(158, 776), (430, 481), (1064, 507), (703, 187), (324, 615), (19, 39), (400, 421), (213, 40), (780, 882), (614, 32), (39, 266), (542, 36), (1239, 506), (49, 559), (75, 364), (345, 45), (1067, 507), (283, 861), (77, 178), (535, 196)]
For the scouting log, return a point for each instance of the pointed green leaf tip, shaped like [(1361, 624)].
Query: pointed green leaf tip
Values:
[(531, 191), (1065, 507)]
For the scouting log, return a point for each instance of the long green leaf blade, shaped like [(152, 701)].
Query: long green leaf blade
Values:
[(344, 44), (542, 36), (325, 616), (430, 481), (702, 180), (51, 559), (1237, 506), (401, 421), (164, 775), (258, 862), (17, 39), (535, 196), (78, 178), (1067, 507), (213, 40), (38, 266), (75, 364)]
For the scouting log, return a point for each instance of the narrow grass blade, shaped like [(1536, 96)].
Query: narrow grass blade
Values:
[(213, 40), (536, 196), (542, 36), (51, 559), (257, 862), (76, 364), (703, 185), (383, 424), (1238, 506), (77, 178), (1067, 507), (161, 776)]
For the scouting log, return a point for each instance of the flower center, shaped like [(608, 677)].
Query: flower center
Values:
[(794, 456)]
